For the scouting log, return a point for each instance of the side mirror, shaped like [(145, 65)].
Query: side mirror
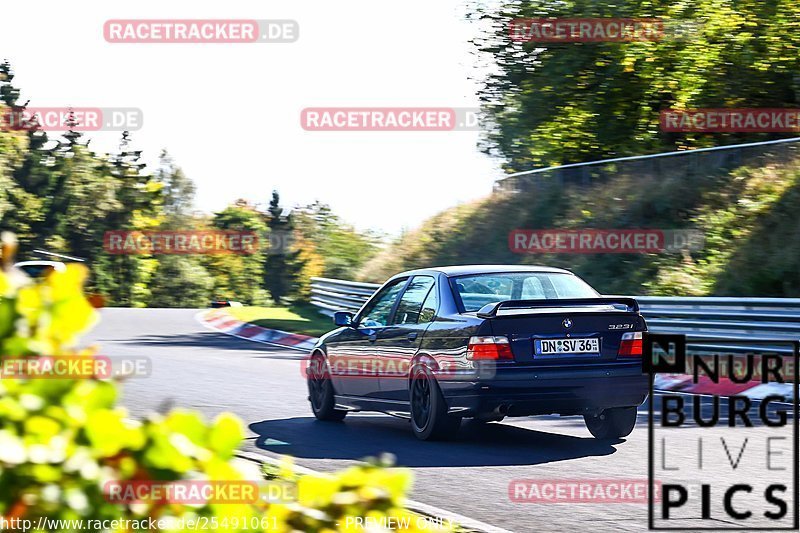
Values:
[(343, 318)]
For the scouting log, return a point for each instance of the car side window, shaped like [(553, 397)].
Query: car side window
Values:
[(429, 307), (408, 311), (377, 312)]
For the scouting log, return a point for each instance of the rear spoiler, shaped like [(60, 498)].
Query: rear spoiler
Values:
[(490, 310)]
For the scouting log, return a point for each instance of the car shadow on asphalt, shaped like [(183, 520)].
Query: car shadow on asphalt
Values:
[(360, 436), (209, 339)]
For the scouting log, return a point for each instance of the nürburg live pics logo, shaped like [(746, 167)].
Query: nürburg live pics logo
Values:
[(723, 440)]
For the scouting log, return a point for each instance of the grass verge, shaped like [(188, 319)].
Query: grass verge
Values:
[(303, 319)]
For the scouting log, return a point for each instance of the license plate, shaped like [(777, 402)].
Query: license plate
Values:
[(567, 346)]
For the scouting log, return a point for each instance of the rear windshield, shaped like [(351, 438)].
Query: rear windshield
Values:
[(478, 290)]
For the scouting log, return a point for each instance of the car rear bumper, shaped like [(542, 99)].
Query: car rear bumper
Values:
[(536, 391)]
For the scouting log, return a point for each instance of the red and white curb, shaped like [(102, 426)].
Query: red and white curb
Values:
[(220, 320), (752, 389)]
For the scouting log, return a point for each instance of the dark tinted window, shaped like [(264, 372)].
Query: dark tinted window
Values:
[(411, 303), (377, 312), (37, 271)]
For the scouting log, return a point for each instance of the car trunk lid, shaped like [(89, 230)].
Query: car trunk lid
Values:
[(566, 331)]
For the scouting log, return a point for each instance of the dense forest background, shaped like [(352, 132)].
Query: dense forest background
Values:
[(544, 105), (560, 103), (57, 194)]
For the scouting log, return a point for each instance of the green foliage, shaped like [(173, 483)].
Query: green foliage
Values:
[(11, 150), (180, 281), (236, 276), (282, 264), (59, 195), (371, 491), (746, 215), (62, 440), (301, 318), (343, 248), (561, 103), (754, 238), (177, 193), (569, 102)]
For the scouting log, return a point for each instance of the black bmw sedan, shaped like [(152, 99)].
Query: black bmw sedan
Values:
[(483, 342)]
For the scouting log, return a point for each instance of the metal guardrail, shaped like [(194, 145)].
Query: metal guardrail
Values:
[(684, 163), (339, 295), (697, 317), (725, 318)]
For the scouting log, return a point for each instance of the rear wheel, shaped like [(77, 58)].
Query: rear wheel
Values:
[(429, 418), (612, 423), (320, 391)]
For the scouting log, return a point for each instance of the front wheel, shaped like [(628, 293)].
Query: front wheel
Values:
[(429, 418), (320, 391), (612, 423)]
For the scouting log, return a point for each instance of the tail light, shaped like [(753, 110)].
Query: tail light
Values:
[(489, 348), (631, 345)]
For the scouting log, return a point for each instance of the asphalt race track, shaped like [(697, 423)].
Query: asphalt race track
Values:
[(196, 368)]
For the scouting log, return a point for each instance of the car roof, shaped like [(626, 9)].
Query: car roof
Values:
[(466, 270)]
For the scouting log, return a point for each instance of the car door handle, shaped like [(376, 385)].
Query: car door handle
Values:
[(412, 336)]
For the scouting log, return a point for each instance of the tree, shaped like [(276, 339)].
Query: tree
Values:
[(136, 206), (24, 154), (282, 265), (178, 280), (12, 151), (563, 103), (177, 192), (60, 195), (237, 276), (343, 249)]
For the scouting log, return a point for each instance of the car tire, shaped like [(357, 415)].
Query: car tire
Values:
[(429, 418), (320, 391), (612, 423)]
